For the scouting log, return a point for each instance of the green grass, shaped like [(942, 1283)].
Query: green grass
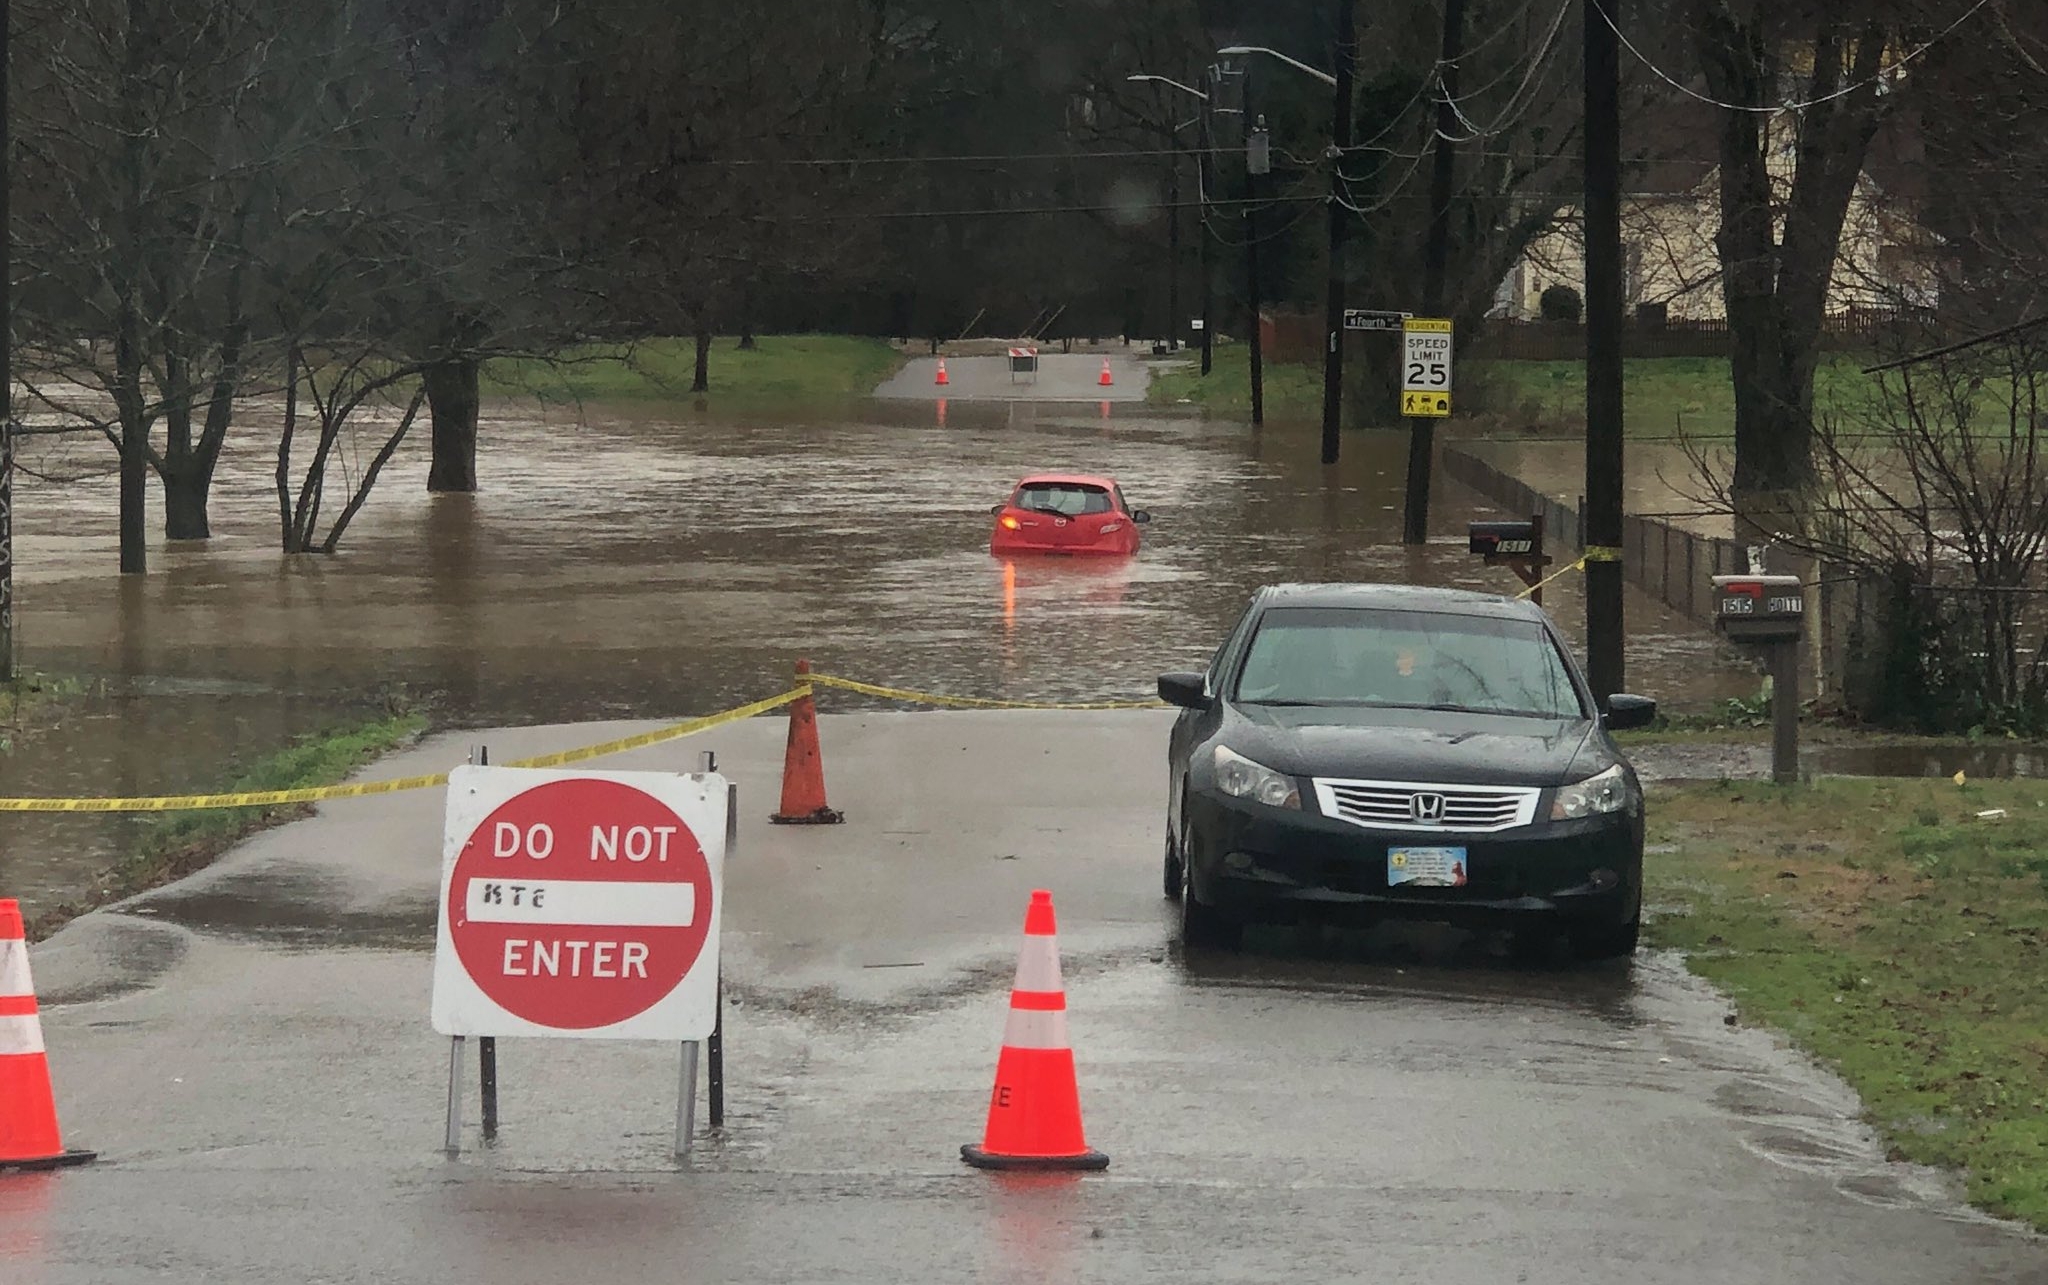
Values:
[(175, 845), (1291, 391), (28, 701), (1662, 396), (1895, 934), (781, 368)]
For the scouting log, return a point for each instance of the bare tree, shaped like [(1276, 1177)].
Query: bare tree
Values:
[(154, 137)]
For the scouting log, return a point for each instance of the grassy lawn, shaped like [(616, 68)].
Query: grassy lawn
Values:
[(176, 845), (1893, 932), (1292, 392), (1662, 397), (781, 368)]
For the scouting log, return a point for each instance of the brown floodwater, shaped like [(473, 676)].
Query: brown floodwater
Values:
[(655, 560)]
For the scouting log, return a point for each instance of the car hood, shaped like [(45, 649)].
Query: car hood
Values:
[(1365, 743)]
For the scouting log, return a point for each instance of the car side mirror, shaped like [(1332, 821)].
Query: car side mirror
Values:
[(1189, 691), (996, 508), (1626, 713), (1140, 516)]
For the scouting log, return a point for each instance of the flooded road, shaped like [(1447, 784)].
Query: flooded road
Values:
[(653, 560)]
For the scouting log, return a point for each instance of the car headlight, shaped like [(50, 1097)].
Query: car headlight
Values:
[(1610, 791), (1241, 778)]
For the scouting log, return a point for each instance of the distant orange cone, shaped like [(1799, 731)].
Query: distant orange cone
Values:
[(29, 1138), (1034, 1115), (1105, 378), (803, 767), (940, 378)]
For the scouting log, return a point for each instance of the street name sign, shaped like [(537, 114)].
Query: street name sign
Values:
[(1373, 319)]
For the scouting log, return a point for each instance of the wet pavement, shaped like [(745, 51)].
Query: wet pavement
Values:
[(1060, 377), (654, 560), (250, 1050)]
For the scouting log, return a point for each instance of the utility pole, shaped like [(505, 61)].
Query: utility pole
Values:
[(1436, 256), (1206, 142), (1604, 318), (1340, 150), (6, 373), (1173, 253), (1258, 161)]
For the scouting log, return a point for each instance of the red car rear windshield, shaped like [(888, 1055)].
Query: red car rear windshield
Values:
[(1070, 499)]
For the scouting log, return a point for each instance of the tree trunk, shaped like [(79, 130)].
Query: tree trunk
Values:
[(701, 381), (185, 493), (134, 441), (1776, 284), (134, 496), (454, 402)]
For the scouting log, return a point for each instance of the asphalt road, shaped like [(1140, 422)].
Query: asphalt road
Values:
[(1062, 377), (250, 1051)]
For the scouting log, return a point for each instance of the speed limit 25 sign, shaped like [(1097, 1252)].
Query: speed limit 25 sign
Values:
[(581, 904), (1426, 367)]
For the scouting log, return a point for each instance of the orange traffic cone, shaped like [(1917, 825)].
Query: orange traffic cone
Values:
[(803, 767), (1034, 1116), (1105, 378), (940, 378), (28, 1109)]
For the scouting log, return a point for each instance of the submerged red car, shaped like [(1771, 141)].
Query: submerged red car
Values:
[(1068, 513)]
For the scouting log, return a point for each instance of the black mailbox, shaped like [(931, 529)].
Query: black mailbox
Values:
[(1759, 609), (1503, 539)]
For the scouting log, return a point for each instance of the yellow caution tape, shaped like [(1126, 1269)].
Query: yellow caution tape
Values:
[(1602, 553), (969, 702), (676, 731), (246, 799), (656, 737), (1567, 569), (363, 789)]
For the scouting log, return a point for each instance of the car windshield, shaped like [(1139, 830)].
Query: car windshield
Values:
[(1406, 659), (1074, 499)]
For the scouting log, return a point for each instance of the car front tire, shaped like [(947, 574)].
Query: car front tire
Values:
[(1172, 873), (1202, 926)]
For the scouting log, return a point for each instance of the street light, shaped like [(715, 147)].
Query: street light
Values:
[(1173, 225), (1168, 80), (1295, 63), (1346, 52)]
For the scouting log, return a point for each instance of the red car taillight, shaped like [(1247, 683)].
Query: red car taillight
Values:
[(1009, 523)]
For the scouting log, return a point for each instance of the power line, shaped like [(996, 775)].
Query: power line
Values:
[(992, 158), (1143, 207), (1515, 108), (1882, 74)]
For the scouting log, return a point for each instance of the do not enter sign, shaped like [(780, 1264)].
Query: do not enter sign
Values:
[(579, 904)]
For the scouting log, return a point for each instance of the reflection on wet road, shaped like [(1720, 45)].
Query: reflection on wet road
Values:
[(1401, 1104)]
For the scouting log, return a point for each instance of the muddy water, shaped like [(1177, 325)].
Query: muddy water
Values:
[(653, 559)]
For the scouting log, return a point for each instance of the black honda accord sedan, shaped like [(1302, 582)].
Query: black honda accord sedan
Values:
[(1393, 750)]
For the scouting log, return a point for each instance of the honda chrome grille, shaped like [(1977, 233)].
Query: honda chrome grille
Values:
[(1406, 805)]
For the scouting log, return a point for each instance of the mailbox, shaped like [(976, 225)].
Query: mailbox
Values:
[(1759, 609), (1504, 539)]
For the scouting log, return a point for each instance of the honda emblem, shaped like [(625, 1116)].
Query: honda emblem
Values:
[(1427, 808)]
